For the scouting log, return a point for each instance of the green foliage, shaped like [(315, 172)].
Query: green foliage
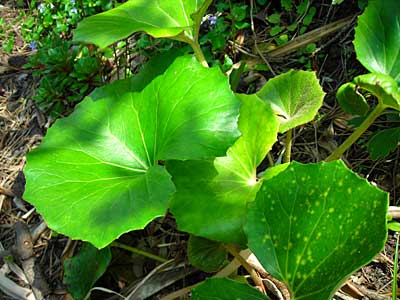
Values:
[(82, 270), (59, 17), (394, 226), (383, 143), (377, 38), (384, 87), (327, 210), (206, 255), (377, 49), (159, 19), (117, 142), (289, 22), (7, 34), (216, 192), (176, 137), (351, 100), (67, 74), (294, 96)]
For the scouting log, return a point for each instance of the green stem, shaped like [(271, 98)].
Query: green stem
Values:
[(197, 52), (357, 133), (288, 146), (235, 76), (395, 268), (270, 159), (138, 251)]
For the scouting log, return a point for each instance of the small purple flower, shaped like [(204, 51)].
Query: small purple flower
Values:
[(212, 20), (33, 45), (74, 10)]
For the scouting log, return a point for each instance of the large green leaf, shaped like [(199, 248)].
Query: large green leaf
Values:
[(377, 37), (95, 176), (150, 70), (383, 142), (323, 225), (295, 96), (211, 196), (82, 270), (226, 289), (207, 255), (159, 18), (382, 86)]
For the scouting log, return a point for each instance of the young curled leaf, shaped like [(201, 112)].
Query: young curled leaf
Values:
[(351, 100)]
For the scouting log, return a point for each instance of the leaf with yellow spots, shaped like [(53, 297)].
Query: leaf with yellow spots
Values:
[(326, 223)]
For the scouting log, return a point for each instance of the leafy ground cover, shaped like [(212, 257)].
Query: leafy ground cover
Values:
[(252, 33)]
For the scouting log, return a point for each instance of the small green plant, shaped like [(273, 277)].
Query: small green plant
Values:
[(175, 137), (382, 60), (67, 74), (58, 18), (7, 36)]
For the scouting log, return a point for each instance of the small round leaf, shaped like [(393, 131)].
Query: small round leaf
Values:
[(295, 96)]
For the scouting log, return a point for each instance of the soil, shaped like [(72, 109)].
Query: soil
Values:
[(22, 126)]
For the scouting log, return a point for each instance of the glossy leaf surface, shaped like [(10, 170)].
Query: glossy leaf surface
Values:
[(308, 233), (226, 289), (83, 270), (156, 66), (295, 97), (377, 38), (206, 255), (212, 195), (383, 142), (159, 18), (382, 86), (95, 176), (351, 100)]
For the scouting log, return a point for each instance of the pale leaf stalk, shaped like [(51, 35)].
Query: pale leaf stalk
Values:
[(139, 252), (253, 274), (197, 52), (288, 146), (395, 268), (357, 133)]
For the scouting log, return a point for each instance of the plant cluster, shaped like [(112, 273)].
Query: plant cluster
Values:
[(176, 137), (68, 73)]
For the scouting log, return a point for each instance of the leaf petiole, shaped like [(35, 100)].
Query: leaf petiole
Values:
[(139, 252), (357, 133), (253, 274)]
